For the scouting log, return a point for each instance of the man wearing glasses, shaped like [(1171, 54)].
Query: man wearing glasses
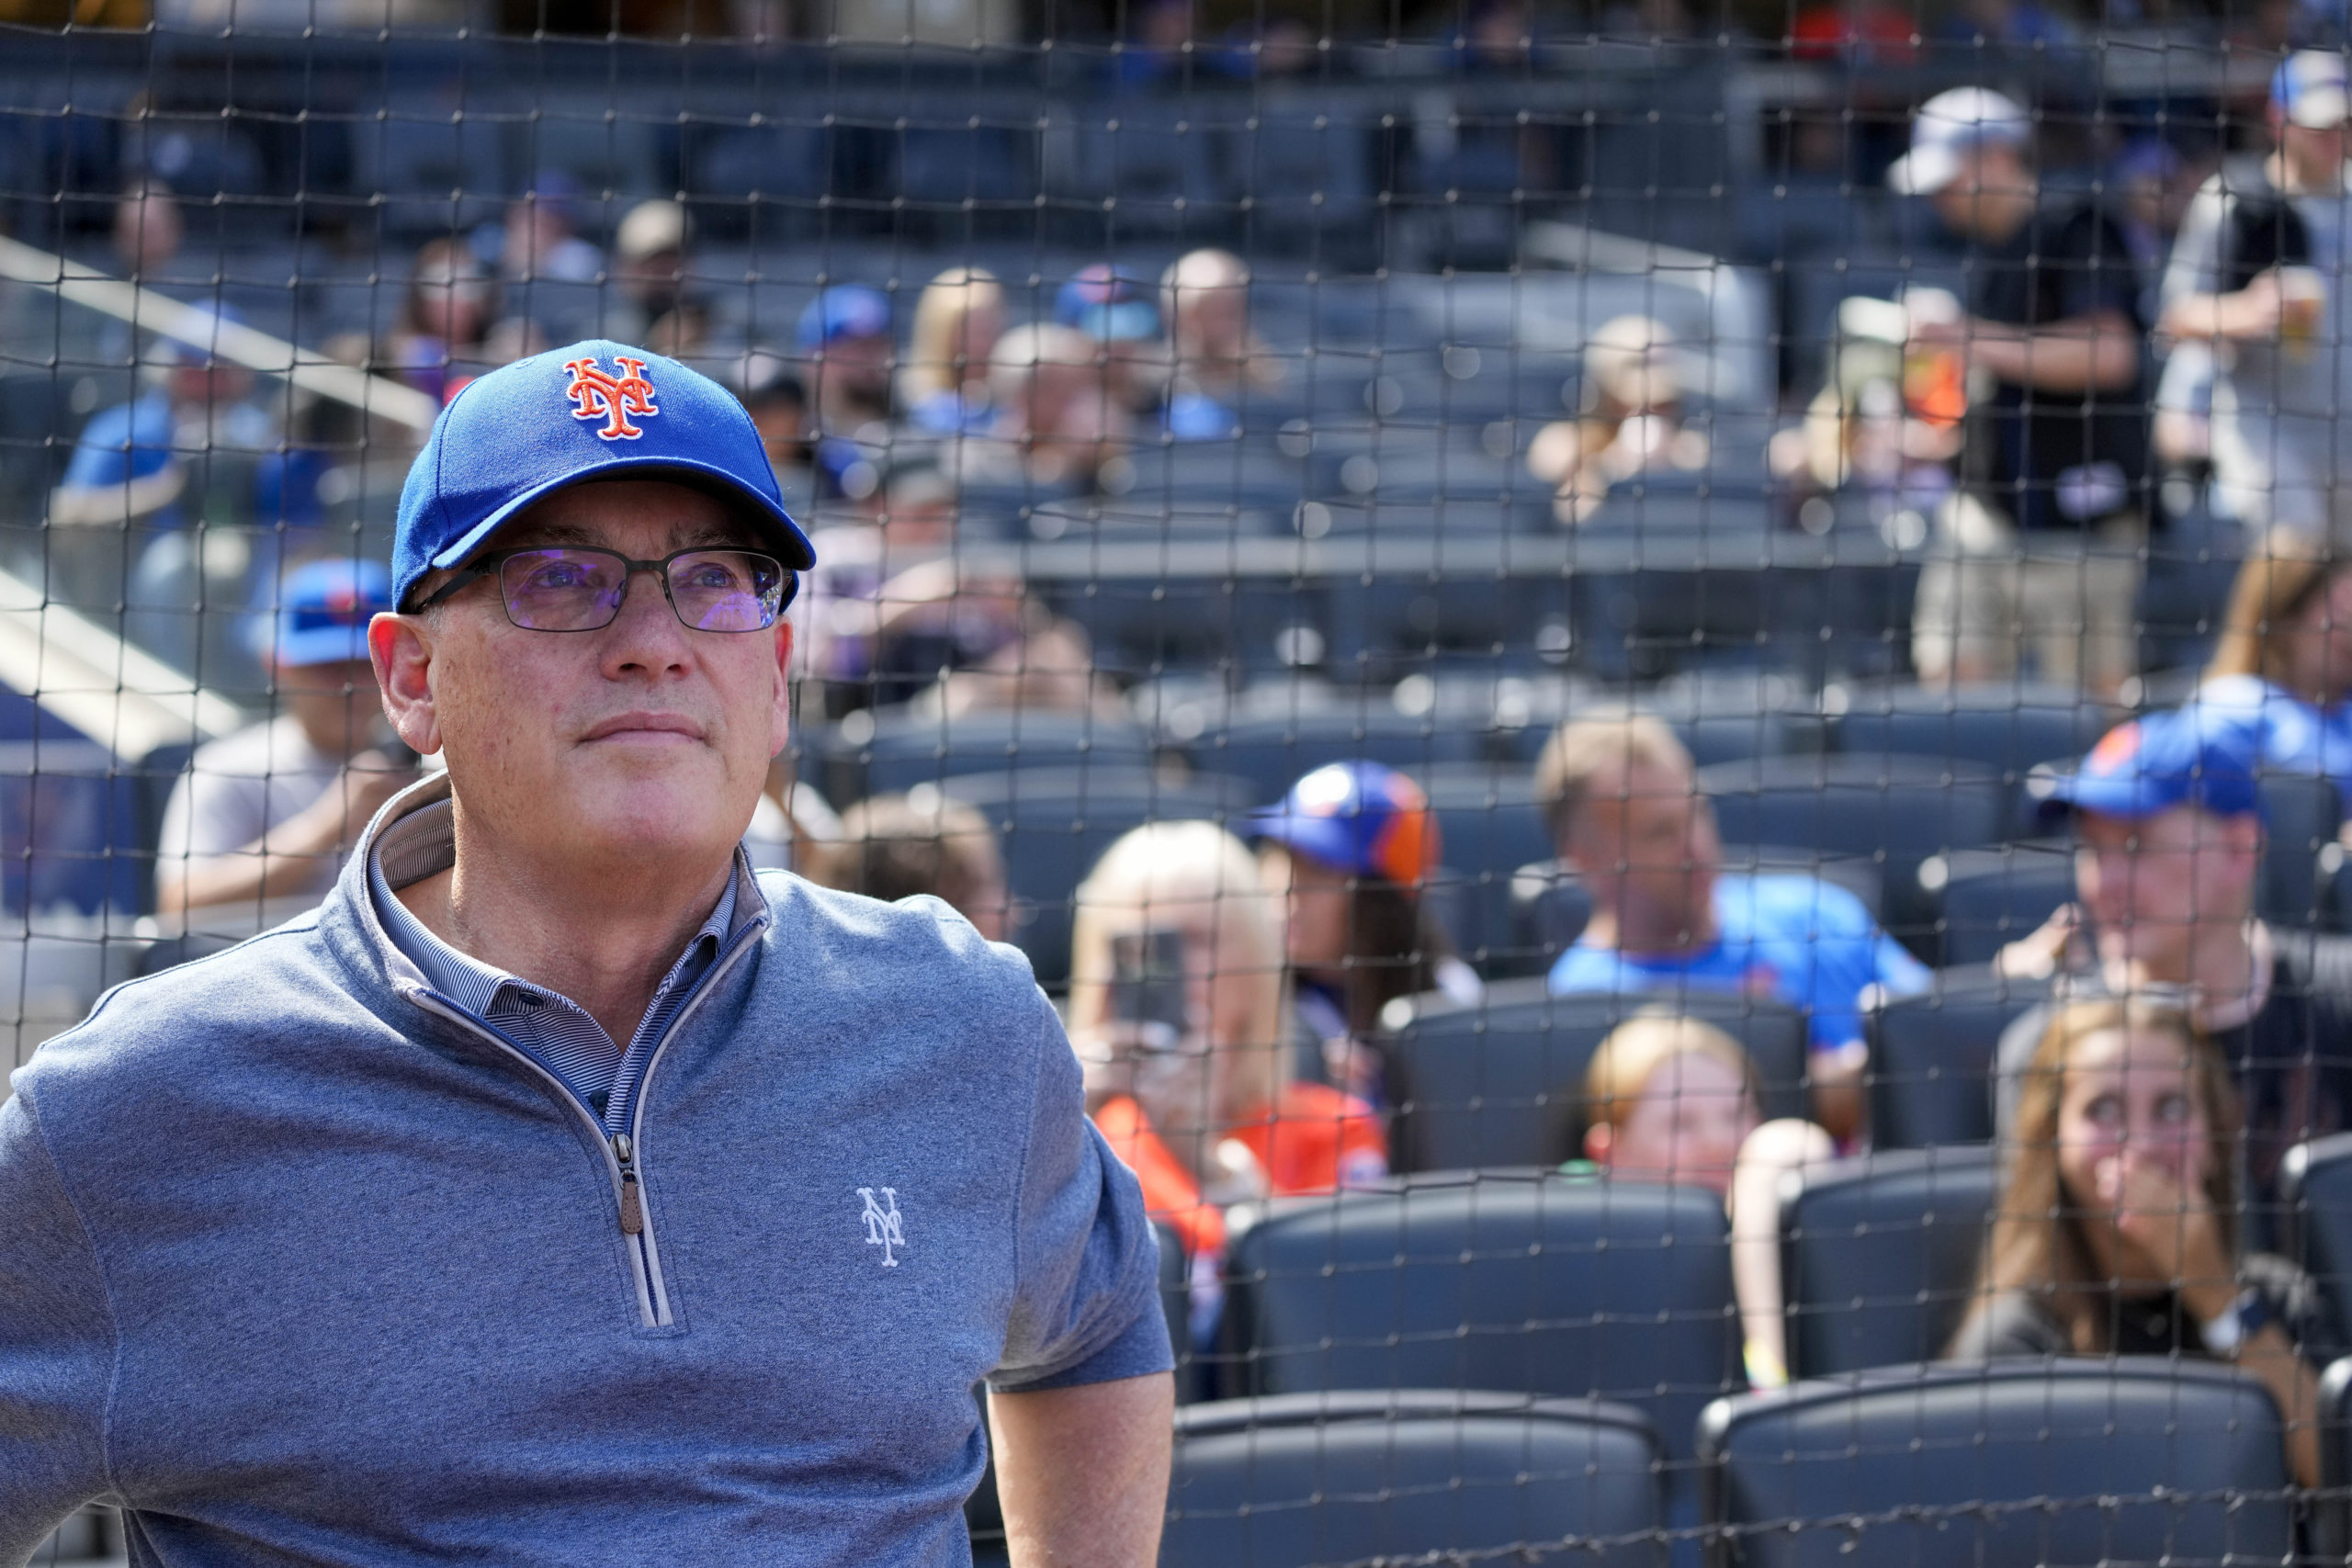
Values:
[(557, 1191)]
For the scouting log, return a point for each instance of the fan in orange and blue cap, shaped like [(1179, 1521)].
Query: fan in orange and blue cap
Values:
[(1359, 818)]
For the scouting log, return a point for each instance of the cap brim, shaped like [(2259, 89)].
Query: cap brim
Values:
[(2127, 796), (793, 544), (2322, 109), (1923, 170), (325, 645)]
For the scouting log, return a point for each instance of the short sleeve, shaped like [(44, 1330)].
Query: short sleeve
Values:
[(2194, 266), (57, 1339), (1086, 1289)]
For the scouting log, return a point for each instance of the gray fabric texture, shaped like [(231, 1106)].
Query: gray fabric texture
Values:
[(301, 1269)]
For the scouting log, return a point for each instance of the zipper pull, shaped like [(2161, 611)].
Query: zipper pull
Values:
[(632, 1206)]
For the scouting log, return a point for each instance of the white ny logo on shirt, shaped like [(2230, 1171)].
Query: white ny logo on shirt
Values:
[(882, 1226)]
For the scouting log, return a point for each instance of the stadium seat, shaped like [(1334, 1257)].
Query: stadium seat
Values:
[(2303, 819), (2005, 1466), (2006, 726), (1488, 828), (776, 172), (894, 750), (1055, 823), (1546, 1286), (1144, 165), (1273, 750), (1931, 1058), (1878, 1256), (2331, 1515), (2315, 1192), (439, 170), (1898, 808), (1412, 1475), (1984, 899), (1501, 1083), (1305, 176)]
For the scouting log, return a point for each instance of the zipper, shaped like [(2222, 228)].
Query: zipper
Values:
[(619, 1149)]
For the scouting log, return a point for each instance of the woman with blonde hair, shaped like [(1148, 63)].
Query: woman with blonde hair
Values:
[(2283, 667), (1178, 1007), (945, 384), (2117, 1231)]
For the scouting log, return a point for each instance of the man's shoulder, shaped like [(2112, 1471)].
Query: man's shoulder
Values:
[(184, 1031)]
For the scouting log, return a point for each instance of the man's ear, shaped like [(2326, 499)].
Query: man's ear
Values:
[(1597, 1140), (401, 648), (780, 727)]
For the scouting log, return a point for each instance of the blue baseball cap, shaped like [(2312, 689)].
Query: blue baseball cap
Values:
[(2310, 89), (1109, 304), (2186, 757), (1359, 818), (847, 310), (594, 410), (323, 610)]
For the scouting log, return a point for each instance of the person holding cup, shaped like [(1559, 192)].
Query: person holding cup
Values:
[(2255, 277)]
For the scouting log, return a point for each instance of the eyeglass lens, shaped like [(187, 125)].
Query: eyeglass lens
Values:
[(580, 590)]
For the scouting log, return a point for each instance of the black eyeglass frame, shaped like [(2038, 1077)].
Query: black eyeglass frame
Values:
[(495, 564)]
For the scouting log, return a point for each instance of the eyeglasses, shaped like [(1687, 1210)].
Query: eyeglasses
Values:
[(580, 589)]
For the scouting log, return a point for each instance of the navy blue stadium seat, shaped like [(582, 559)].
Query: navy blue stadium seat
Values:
[(1305, 173), (1500, 1082), (1412, 1475), (1931, 1058), (1878, 1256), (437, 170), (775, 174), (2330, 1520), (1984, 899), (1273, 749), (2036, 1462), (1548, 1286), (2315, 1191), (1152, 165), (2007, 727), (894, 749)]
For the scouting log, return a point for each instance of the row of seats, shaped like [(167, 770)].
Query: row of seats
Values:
[(2129, 1460)]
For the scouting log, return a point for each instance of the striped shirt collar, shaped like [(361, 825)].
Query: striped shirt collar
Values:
[(424, 844)]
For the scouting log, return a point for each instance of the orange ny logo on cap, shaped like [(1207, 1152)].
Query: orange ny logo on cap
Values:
[(613, 398)]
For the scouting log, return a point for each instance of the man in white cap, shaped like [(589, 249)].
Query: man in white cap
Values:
[(2037, 551), (2254, 280)]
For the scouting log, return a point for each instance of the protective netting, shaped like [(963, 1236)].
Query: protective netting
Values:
[(1662, 689)]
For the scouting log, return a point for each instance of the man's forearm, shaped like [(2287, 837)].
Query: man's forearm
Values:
[(2103, 356), (1082, 1473)]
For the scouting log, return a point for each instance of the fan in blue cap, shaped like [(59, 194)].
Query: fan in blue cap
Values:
[(593, 411), (2190, 757), (323, 613)]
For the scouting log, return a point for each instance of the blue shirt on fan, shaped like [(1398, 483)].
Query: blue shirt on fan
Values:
[(1796, 940)]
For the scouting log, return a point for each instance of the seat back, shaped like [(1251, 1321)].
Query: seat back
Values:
[(1878, 1256), (1528, 1284), (1502, 1083), (896, 752), (1412, 1476), (1274, 749), (2075, 1463), (1987, 899), (2001, 725), (2303, 817), (1931, 1058), (2316, 1189)]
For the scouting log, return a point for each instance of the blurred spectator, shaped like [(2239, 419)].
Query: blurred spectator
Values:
[(777, 400), (903, 846), (793, 823), (2010, 24), (2039, 550), (2257, 275), (845, 337), (1056, 423), (1116, 309), (2284, 665), (1885, 423), (2168, 814), (2117, 1230), (1217, 359), (1621, 800), (255, 831), (147, 232), (141, 471), (667, 313), (1854, 32), (1630, 422), (1176, 1009), (1349, 852), (1670, 1098), (446, 317), (539, 241), (943, 385)]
